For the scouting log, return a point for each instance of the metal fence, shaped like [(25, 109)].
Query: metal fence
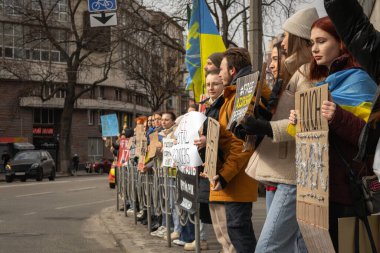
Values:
[(154, 191)]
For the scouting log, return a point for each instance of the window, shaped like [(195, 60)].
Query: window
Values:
[(129, 96), (118, 94), (101, 92), (100, 113), (49, 89), (90, 116), (27, 42), (95, 149), (43, 116), (12, 7)]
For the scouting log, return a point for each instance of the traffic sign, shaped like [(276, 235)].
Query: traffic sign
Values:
[(101, 5), (103, 19)]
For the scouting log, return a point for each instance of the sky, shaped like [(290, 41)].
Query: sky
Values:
[(314, 3), (318, 4)]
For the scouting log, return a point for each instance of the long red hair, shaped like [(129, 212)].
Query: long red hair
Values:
[(319, 72)]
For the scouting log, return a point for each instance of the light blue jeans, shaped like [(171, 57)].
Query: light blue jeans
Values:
[(269, 195), (281, 232)]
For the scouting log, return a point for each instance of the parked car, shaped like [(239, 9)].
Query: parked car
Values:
[(31, 164)]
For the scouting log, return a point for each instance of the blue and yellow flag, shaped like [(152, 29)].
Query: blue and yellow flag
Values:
[(203, 40), (353, 90)]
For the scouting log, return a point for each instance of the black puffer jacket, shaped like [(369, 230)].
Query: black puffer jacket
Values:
[(363, 41), (357, 32)]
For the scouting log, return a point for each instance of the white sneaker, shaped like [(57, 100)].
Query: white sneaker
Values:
[(139, 214), (158, 231), (130, 212), (179, 242), (161, 233)]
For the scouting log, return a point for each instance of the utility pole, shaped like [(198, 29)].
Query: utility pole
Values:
[(256, 34)]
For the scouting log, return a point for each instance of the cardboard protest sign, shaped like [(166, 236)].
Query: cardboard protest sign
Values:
[(346, 234), (185, 153), (142, 153), (123, 152), (167, 160), (245, 88), (312, 164), (110, 125), (154, 143), (213, 127), (187, 190), (140, 138)]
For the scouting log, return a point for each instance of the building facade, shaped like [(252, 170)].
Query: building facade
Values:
[(33, 69)]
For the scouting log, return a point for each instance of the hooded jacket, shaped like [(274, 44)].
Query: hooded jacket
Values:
[(363, 41)]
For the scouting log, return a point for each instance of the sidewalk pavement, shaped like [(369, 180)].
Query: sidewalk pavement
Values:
[(136, 239)]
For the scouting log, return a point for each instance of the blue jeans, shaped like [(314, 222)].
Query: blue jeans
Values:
[(269, 195), (239, 226), (176, 223), (281, 232), (188, 232)]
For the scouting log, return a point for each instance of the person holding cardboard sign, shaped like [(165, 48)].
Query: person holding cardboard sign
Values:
[(352, 91), (274, 160)]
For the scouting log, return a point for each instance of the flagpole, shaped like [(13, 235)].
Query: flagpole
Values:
[(201, 16)]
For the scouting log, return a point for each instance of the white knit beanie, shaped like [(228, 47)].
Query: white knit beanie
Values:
[(300, 23)]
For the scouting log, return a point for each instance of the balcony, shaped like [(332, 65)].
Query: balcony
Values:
[(92, 104)]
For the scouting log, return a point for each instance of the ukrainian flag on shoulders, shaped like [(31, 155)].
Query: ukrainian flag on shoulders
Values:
[(202, 41)]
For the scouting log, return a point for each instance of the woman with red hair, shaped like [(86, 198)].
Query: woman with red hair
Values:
[(347, 111)]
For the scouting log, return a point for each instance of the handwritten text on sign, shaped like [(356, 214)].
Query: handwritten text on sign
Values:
[(312, 163), (167, 160), (185, 153), (244, 92)]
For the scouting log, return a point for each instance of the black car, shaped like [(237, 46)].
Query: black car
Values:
[(31, 164)]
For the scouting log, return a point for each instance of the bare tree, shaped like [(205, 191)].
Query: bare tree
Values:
[(155, 56), (229, 15)]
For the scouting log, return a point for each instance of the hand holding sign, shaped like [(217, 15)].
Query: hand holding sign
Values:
[(185, 153)]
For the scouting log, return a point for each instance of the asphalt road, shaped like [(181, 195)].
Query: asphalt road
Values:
[(57, 216)]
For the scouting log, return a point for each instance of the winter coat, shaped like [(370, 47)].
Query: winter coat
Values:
[(352, 90), (363, 41), (274, 160), (240, 187)]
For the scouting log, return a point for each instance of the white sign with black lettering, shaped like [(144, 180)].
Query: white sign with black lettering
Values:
[(167, 160), (185, 153)]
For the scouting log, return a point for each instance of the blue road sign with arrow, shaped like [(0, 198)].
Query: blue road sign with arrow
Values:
[(101, 5)]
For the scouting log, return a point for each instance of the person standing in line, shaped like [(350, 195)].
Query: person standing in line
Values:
[(276, 154), (232, 191), (281, 78), (362, 40), (352, 91)]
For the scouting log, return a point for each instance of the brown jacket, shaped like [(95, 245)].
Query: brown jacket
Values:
[(240, 187)]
